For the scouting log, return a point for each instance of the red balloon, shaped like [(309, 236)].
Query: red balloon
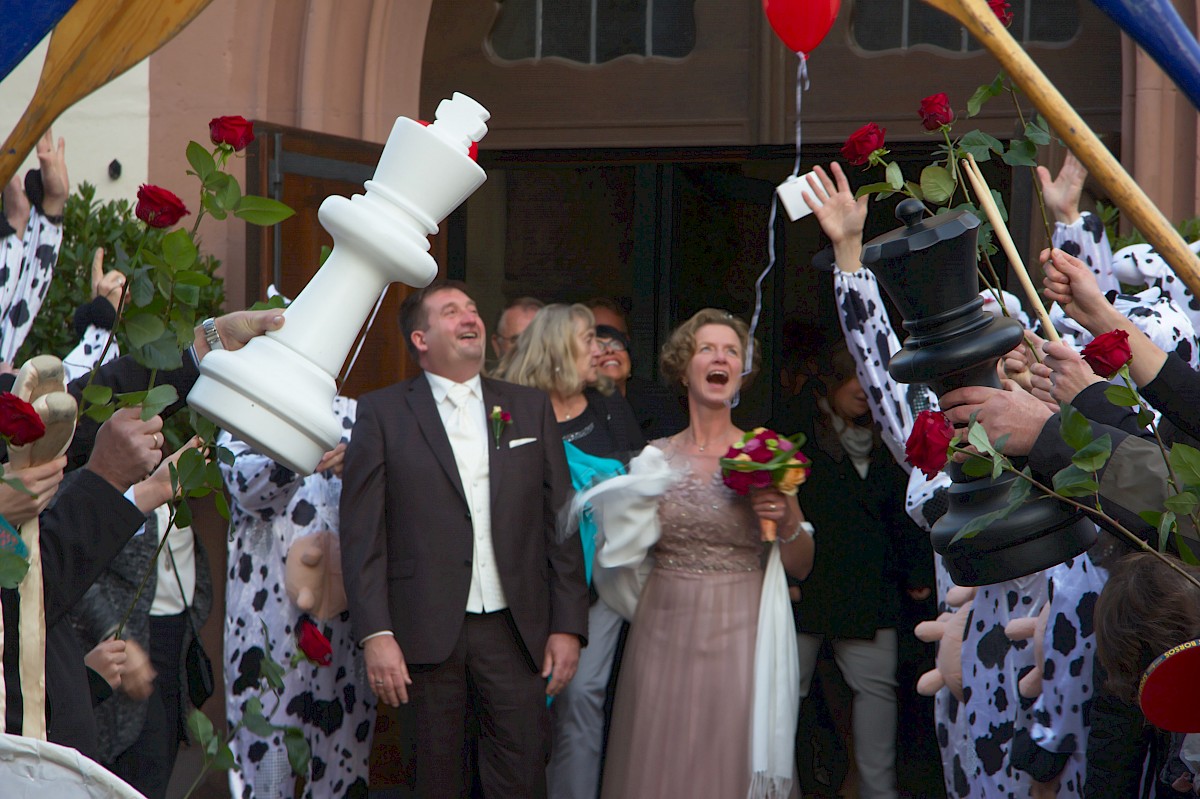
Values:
[(801, 24)]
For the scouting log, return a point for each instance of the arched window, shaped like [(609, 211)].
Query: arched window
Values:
[(593, 31), (898, 25)]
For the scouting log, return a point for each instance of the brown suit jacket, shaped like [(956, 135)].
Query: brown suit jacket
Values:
[(406, 531)]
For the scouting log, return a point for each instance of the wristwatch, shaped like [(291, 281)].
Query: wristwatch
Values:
[(209, 326)]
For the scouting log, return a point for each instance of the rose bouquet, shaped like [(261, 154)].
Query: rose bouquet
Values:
[(766, 459)]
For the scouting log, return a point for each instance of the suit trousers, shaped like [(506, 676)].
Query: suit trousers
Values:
[(489, 674), (578, 712), (869, 667)]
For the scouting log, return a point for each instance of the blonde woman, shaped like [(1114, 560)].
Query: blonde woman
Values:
[(557, 353), (682, 718)]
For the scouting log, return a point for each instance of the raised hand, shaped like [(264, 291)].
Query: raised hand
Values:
[(1071, 284), (57, 185), (106, 284), (841, 216), (1063, 192)]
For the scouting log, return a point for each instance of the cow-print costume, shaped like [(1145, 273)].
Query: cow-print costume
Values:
[(1061, 714), (271, 508), (1086, 240), (1166, 312), (26, 269), (1139, 264), (93, 322)]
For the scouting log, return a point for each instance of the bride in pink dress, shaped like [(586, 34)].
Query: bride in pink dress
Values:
[(681, 722)]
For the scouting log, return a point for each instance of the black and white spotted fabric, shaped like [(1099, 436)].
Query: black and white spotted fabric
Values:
[(1061, 714), (26, 269), (271, 508), (1139, 264), (1086, 240), (87, 352), (1166, 311)]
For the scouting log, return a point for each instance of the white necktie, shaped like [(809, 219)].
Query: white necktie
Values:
[(461, 432)]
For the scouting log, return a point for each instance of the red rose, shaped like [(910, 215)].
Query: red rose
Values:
[(1108, 353), (758, 451), (928, 442), (19, 422), (1002, 11), (505, 417), (313, 643), (744, 482), (862, 142), (158, 207), (935, 111), (237, 132)]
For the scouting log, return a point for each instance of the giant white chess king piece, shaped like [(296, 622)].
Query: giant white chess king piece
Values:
[(277, 392)]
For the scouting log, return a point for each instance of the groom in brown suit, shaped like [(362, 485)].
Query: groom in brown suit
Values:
[(459, 590)]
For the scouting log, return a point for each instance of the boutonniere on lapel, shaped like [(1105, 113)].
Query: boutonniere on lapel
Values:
[(500, 420)]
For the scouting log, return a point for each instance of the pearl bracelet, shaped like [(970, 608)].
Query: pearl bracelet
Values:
[(803, 527)]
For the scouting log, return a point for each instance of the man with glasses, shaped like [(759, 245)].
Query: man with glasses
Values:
[(512, 322)]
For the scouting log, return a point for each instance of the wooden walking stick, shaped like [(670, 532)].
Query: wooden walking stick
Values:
[(979, 19), (988, 203), (93, 43)]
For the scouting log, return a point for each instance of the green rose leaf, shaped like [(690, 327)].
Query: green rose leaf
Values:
[(1165, 523), (937, 184), (227, 196), (12, 569), (1000, 207), (978, 437), (882, 189), (162, 353), (187, 294), (984, 93), (223, 760), (157, 400), (1093, 456), (183, 514), (981, 145), (976, 467), (97, 395), (179, 251), (1017, 494), (201, 160), (1122, 396), (261, 210), (1185, 551), (254, 720), (1021, 152), (222, 504), (1075, 482), (1074, 427), (297, 750), (202, 731), (1037, 134), (1181, 504), (1185, 462), (143, 329), (1144, 417), (99, 413), (895, 177), (210, 203)]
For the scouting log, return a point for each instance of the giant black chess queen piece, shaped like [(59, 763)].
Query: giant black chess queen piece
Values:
[(928, 268)]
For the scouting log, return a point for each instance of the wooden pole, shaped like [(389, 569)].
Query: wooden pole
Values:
[(93, 43), (984, 193), (1133, 202)]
